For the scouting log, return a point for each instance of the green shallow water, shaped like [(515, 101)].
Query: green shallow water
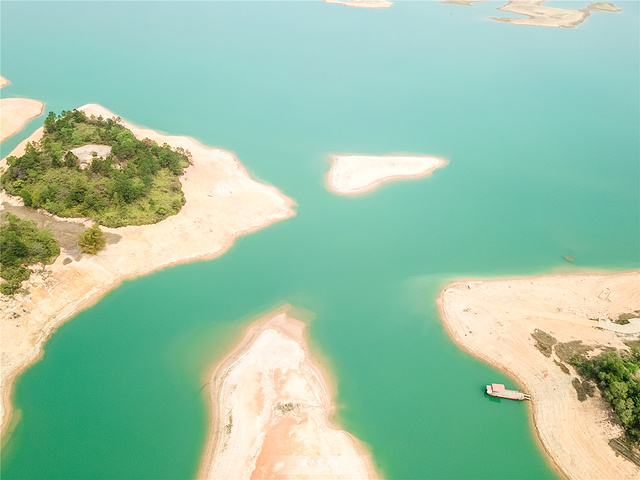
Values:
[(541, 128)]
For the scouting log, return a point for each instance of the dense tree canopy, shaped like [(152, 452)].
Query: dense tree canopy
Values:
[(22, 244), (92, 240), (137, 183), (617, 376)]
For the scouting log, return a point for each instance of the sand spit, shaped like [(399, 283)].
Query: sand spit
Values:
[(541, 16), (270, 412), (356, 174), (222, 203), (362, 3), (4, 82), (464, 3), (15, 113), (494, 319)]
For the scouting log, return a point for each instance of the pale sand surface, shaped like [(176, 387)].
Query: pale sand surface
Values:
[(356, 174), (3, 82), (270, 411), (494, 320), (15, 113), (542, 16), (465, 3), (222, 203), (362, 3)]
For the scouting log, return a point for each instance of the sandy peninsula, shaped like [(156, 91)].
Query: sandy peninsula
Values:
[(270, 411), (3, 82), (15, 113), (357, 174), (541, 16), (494, 320), (222, 203), (362, 3)]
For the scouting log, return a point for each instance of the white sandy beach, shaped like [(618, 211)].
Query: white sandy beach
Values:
[(222, 203), (15, 113), (494, 319), (357, 174), (270, 412), (362, 3)]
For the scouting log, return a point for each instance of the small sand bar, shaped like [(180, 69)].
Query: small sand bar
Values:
[(356, 174)]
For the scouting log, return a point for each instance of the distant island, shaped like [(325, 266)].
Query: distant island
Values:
[(357, 174), (573, 342), (542, 16), (271, 407), (362, 3)]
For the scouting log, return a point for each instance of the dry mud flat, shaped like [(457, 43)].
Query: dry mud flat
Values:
[(494, 320), (270, 412), (222, 203)]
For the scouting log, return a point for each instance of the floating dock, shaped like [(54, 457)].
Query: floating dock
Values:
[(498, 390)]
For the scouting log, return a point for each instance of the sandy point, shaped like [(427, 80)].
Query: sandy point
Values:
[(494, 320), (362, 3), (222, 203), (358, 174), (4, 82), (270, 411), (15, 113)]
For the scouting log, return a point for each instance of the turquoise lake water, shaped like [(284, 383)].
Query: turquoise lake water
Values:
[(541, 127)]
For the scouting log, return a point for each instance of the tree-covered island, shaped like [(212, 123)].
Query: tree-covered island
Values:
[(133, 182)]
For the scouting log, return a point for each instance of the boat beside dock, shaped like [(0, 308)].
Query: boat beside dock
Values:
[(498, 390)]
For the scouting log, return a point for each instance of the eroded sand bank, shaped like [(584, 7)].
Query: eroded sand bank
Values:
[(494, 320), (15, 113), (356, 174), (270, 412), (222, 203)]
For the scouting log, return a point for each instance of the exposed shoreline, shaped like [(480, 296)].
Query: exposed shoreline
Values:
[(263, 396), (493, 319), (16, 112), (357, 174), (541, 16), (222, 203)]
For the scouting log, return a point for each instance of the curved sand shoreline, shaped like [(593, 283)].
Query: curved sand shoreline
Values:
[(357, 174), (222, 203), (15, 113), (494, 319), (270, 410)]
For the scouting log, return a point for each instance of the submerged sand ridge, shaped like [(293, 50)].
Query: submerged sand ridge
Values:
[(270, 412), (222, 203), (356, 174), (494, 320)]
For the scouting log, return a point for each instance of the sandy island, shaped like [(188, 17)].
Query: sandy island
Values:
[(541, 16), (222, 203), (356, 174), (494, 320), (270, 411), (16, 112), (362, 3)]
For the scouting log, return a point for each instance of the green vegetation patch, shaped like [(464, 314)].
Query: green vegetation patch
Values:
[(583, 388), (570, 352), (544, 342), (616, 374), (563, 367), (136, 184), (624, 318), (21, 245), (92, 240)]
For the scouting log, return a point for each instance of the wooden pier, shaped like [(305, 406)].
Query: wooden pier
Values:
[(498, 390)]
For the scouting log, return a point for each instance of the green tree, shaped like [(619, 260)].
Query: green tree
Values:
[(92, 240)]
